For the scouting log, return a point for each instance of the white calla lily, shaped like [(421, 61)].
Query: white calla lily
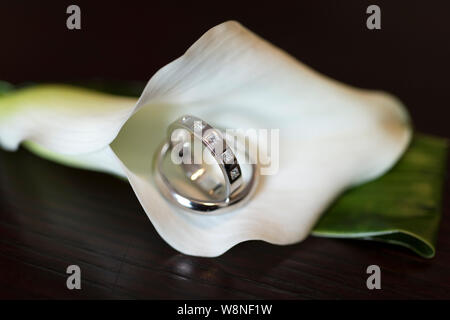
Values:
[(332, 136)]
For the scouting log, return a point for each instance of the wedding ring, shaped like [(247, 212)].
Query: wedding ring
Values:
[(235, 194), (214, 141)]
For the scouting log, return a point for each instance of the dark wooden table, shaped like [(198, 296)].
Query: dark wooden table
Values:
[(53, 216)]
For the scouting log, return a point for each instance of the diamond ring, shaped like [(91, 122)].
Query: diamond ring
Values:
[(222, 181)]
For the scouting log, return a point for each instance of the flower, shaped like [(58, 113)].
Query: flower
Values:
[(332, 136)]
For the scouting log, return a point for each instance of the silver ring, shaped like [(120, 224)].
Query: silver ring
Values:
[(214, 141), (236, 192)]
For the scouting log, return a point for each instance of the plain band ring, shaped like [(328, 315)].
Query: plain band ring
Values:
[(234, 199)]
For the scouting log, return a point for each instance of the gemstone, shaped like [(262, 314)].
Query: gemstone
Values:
[(198, 125), (185, 119), (228, 156), (211, 139), (234, 173)]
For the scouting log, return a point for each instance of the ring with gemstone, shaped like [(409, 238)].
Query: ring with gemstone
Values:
[(231, 192)]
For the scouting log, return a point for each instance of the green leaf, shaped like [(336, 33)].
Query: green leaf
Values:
[(402, 207), (5, 87)]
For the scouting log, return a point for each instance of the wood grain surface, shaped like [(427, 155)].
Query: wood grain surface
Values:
[(53, 216)]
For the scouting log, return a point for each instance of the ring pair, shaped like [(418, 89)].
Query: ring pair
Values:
[(201, 161)]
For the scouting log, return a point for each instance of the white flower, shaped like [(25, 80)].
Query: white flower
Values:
[(332, 136)]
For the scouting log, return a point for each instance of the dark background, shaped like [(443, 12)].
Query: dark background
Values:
[(52, 216)]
